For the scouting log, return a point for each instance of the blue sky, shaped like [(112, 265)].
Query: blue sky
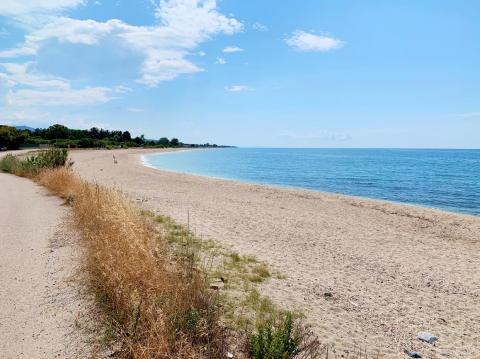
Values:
[(287, 73)]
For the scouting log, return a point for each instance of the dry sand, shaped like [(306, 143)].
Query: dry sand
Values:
[(39, 303), (392, 270)]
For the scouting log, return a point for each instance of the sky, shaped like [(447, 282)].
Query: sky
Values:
[(289, 73)]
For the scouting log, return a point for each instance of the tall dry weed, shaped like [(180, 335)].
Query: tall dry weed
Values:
[(158, 308)]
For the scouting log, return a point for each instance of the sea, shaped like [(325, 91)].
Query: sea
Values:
[(444, 179)]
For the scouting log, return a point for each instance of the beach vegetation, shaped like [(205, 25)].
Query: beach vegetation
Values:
[(157, 306), (274, 339), (10, 164), (29, 165)]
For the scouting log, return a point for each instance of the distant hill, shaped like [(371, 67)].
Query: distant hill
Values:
[(22, 128)]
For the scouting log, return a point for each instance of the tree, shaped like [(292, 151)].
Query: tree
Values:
[(139, 140), (126, 136), (174, 142), (56, 132), (94, 133), (11, 138), (116, 136), (164, 142)]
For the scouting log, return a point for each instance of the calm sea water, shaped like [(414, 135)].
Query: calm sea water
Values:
[(444, 179)]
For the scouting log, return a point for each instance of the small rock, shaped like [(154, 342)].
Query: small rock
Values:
[(413, 354), (229, 355), (327, 295), (427, 337)]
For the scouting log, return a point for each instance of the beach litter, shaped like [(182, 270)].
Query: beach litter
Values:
[(427, 337)]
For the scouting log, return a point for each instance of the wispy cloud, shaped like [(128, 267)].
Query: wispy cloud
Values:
[(237, 88), (220, 61), (24, 116), (77, 97), (28, 8), (135, 109), (232, 49), (259, 27), (27, 87), (304, 41)]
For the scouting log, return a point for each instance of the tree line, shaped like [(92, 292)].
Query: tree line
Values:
[(63, 137)]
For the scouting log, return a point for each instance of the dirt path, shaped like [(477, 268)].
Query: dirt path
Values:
[(39, 303)]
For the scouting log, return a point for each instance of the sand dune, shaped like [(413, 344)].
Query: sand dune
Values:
[(390, 270)]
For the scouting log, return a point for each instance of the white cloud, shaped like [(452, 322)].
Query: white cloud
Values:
[(24, 50), (220, 61), (78, 97), (30, 7), (183, 25), (237, 88), (232, 49), (121, 89), (259, 27), (25, 75), (201, 53), (304, 41), (23, 116), (27, 87)]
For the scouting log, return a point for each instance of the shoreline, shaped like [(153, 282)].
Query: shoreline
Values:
[(379, 201), (391, 270)]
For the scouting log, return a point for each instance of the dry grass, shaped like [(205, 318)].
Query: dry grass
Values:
[(158, 307)]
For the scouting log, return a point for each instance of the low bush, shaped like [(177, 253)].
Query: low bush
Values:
[(276, 339), (10, 164), (30, 166)]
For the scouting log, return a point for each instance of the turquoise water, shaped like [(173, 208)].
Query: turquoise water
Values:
[(444, 179)]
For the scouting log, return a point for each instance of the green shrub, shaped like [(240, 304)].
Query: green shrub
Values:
[(10, 164), (51, 158), (277, 339), (31, 165)]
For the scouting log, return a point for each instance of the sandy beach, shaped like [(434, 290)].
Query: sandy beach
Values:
[(366, 273)]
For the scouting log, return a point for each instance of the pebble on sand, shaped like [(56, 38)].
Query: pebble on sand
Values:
[(427, 337), (413, 354)]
